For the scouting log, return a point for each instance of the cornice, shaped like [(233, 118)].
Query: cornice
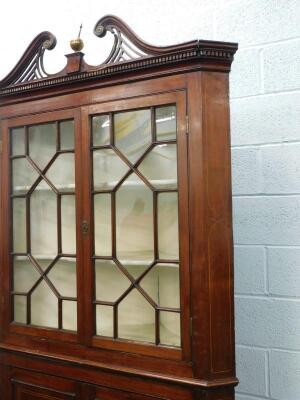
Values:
[(129, 54)]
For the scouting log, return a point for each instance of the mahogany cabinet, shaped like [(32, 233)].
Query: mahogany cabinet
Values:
[(116, 235)]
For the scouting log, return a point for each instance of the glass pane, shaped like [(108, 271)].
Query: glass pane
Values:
[(108, 169), (133, 133), (136, 268), (17, 140), (162, 285), (168, 226), (20, 309), (67, 135), (63, 277), (62, 172), (44, 307), (104, 320), (100, 127), (160, 166), (25, 274), (111, 282), (23, 176), (19, 225), (102, 218), (43, 262), (69, 315), (68, 224), (134, 221), (42, 143), (165, 118), (136, 318), (43, 221), (169, 328)]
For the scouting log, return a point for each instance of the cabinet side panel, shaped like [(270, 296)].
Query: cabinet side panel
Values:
[(211, 253), (219, 220)]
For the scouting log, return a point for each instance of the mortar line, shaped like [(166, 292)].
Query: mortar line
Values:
[(270, 93), (260, 347)]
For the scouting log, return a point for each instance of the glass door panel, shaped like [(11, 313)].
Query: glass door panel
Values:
[(135, 209), (44, 289)]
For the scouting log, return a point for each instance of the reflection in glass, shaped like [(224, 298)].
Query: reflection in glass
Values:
[(25, 274), (108, 169), (162, 285), (20, 309), (102, 224), (104, 320), (62, 172), (69, 315), (43, 221), (168, 226), (44, 306), (18, 141), (136, 318), (169, 328), (134, 221), (160, 166), (111, 282), (101, 131), (68, 224), (165, 118), (67, 135), (23, 175), (42, 143), (19, 225), (133, 133), (63, 277)]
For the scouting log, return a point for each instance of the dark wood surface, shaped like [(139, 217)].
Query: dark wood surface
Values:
[(40, 363)]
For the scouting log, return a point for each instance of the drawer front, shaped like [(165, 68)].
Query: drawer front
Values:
[(23, 391), (26, 385), (99, 393)]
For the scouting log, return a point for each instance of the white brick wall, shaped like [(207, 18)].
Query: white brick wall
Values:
[(265, 121)]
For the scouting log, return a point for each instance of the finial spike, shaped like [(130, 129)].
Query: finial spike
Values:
[(80, 28)]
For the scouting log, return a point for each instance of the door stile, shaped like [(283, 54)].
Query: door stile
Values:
[(86, 233), (79, 244)]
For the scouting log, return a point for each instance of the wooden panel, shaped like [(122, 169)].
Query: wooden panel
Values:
[(210, 224)]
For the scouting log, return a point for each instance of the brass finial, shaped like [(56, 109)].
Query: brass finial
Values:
[(77, 44)]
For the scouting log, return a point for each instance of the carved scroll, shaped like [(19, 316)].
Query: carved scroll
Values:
[(31, 65)]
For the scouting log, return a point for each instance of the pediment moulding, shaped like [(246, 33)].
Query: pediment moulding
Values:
[(129, 53)]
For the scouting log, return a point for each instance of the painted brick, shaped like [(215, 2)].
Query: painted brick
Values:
[(281, 66), (284, 271), (250, 364), (284, 375), (281, 168), (240, 396), (245, 77), (249, 266), (265, 119), (268, 322), (273, 220), (246, 171), (255, 21)]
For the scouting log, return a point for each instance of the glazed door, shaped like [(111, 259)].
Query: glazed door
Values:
[(96, 249), (136, 205), (40, 250)]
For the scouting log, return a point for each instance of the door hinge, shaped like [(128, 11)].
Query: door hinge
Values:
[(191, 326), (187, 124)]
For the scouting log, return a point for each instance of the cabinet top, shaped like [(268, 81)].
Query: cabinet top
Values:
[(130, 56)]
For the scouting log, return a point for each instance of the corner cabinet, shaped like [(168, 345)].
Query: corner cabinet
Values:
[(116, 234)]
